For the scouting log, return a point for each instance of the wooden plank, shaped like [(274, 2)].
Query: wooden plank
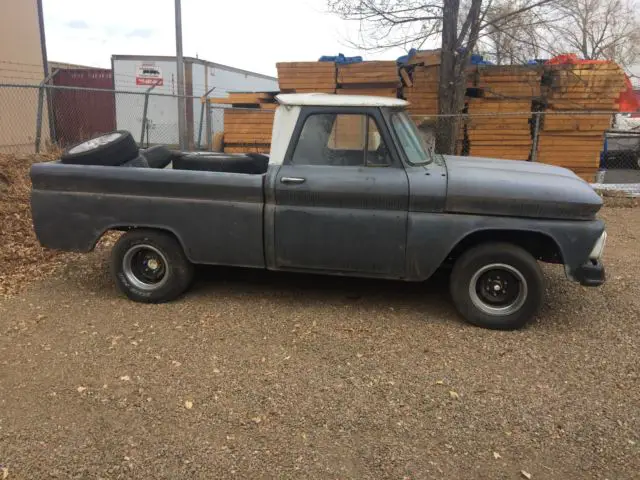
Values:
[(246, 138), (425, 57), (369, 72), (378, 92), (499, 143), (406, 79), (314, 90), (247, 149), (297, 65), (248, 115), (247, 128)]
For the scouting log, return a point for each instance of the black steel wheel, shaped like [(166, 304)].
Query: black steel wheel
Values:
[(150, 266), (497, 285)]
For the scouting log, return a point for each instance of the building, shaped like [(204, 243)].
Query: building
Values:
[(79, 109), (23, 60), (138, 73)]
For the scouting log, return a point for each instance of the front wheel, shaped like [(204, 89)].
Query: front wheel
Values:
[(497, 285), (150, 266)]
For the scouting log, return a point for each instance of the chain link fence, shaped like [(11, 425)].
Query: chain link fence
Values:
[(37, 117)]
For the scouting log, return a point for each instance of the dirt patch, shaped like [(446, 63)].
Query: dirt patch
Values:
[(22, 259), (618, 199), (261, 375)]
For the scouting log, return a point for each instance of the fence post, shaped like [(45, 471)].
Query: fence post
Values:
[(144, 113), (209, 125), (536, 135), (41, 89), (204, 104)]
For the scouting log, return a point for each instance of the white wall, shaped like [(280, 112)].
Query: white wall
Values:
[(162, 112)]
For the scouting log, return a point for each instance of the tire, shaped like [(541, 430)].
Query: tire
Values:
[(110, 149), (476, 277), (138, 278), (138, 162), (158, 156)]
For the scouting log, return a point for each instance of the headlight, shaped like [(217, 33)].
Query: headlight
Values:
[(598, 248)]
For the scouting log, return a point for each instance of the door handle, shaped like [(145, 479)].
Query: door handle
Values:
[(292, 180)]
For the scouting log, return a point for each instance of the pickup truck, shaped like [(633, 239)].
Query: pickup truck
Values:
[(349, 188)]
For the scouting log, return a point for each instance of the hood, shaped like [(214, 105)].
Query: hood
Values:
[(519, 189)]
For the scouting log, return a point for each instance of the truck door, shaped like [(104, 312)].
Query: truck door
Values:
[(341, 197)]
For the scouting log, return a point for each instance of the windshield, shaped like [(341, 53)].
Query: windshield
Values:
[(410, 139)]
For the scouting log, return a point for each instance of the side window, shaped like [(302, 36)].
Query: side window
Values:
[(340, 140)]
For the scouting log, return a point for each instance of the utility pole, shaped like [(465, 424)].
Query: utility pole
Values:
[(182, 114)]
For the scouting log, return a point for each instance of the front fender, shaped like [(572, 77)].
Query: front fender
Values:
[(431, 237)]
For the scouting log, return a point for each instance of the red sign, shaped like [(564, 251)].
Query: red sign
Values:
[(149, 81)]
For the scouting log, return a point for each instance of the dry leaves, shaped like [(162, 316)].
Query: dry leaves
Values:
[(188, 404), (454, 395), (22, 258)]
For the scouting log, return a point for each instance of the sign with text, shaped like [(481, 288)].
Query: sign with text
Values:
[(149, 74)]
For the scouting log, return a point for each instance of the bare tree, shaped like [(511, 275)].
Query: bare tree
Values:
[(518, 38), (411, 23), (598, 30)]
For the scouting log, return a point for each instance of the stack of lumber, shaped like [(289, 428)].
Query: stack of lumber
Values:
[(578, 150), (499, 129), (304, 77), (421, 89), (247, 126), (574, 140), (263, 100), (368, 78), (247, 130), (498, 125), (509, 82), (584, 87)]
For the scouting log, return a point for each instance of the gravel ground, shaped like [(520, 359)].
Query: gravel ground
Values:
[(258, 375)]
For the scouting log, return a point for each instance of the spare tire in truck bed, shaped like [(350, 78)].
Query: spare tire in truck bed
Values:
[(232, 163), (157, 156), (110, 149)]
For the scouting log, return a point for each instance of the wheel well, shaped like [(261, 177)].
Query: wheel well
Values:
[(128, 228), (540, 246)]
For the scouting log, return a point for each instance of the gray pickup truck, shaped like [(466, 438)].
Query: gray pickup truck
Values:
[(349, 188)]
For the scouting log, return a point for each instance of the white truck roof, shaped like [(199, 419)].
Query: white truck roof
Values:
[(330, 100)]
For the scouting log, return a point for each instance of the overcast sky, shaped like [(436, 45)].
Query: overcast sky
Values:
[(248, 34)]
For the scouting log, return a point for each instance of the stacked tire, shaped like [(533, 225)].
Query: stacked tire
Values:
[(116, 149)]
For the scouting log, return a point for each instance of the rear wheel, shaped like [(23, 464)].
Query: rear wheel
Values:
[(497, 285), (150, 266)]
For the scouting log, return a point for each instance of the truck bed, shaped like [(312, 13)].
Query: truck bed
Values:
[(217, 216)]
